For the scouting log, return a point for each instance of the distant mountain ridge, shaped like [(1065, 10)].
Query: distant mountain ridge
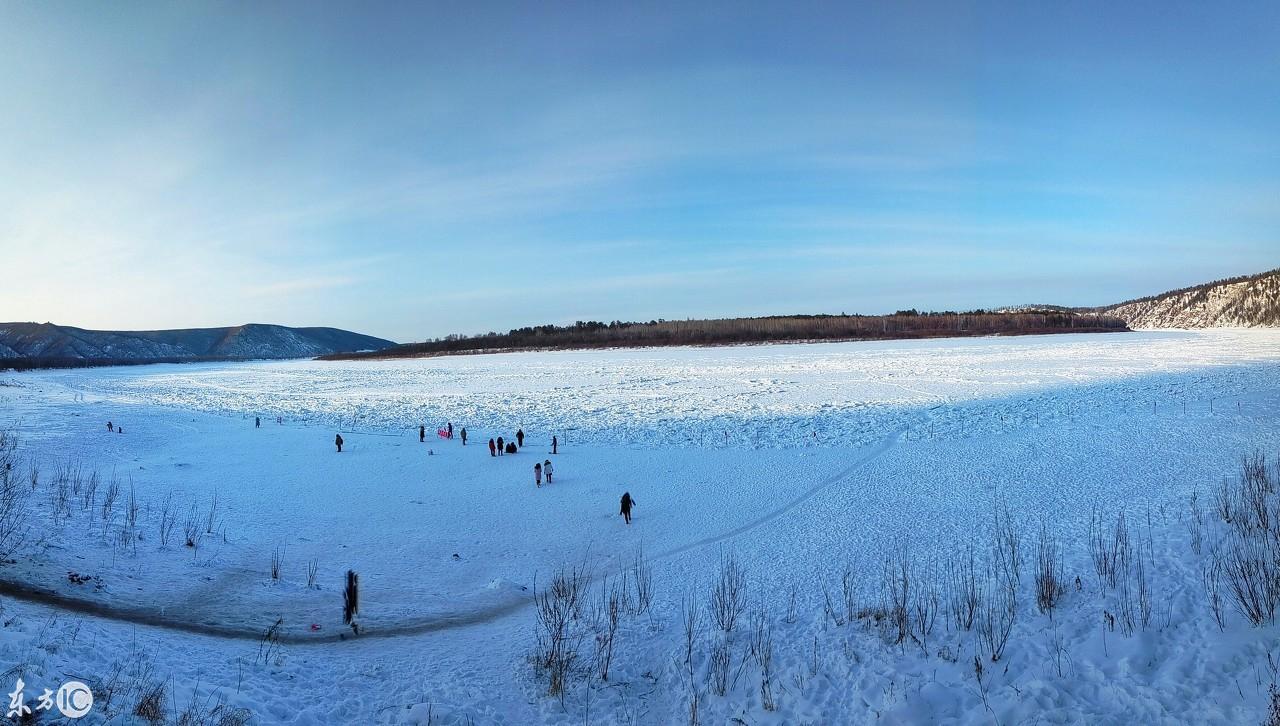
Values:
[(1251, 301), (62, 343)]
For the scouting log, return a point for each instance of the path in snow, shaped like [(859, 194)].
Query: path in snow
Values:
[(875, 451)]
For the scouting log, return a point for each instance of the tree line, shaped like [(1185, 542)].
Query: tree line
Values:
[(27, 363), (902, 324)]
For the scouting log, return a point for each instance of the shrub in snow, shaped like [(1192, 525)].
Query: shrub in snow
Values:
[(762, 650), (605, 619), (13, 497), (642, 580), (150, 706), (559, 633), (896, 584), (1250, 548), (925, 606), (964, 593), (729, 594), (168, 518), (1049, 580), (995, 620), (191, 528)]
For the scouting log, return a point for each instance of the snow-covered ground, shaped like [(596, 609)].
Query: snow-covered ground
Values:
[(800, 461)]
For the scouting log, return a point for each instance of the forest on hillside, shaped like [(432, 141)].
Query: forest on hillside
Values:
[(1201, 289), (38, 362), (900, 325)]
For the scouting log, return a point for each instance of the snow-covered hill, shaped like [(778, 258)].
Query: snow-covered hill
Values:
[(49, 341), (1249, 302)]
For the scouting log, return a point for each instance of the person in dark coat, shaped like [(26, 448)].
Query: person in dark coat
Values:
[(422, 434), (110, 427), (520, 438), (493, 448), (257, 422), (464, 435), (554, 442), (537, 474), (511, 447), (501, 448), (627, 504), (337, 440), (450, 427)]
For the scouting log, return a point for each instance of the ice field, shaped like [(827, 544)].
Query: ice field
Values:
[(800, 461)]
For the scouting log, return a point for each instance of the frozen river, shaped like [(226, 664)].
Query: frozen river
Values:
[(752, 396)]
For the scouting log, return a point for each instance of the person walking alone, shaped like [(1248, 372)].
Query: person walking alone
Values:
[(627, 504), (493, 448), (464, 435), (257, 422), (520, 438), (450, 427), (337, 440), (422, 434), (554, 442), (537, 474)]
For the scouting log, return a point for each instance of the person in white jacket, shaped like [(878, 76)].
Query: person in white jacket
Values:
[(546, 470)]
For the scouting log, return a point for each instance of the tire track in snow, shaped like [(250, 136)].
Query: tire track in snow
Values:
[(887, 443)]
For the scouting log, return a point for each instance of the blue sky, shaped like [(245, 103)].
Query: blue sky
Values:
[(417, 169)]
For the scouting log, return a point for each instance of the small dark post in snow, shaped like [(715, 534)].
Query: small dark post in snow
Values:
[(351, 600)]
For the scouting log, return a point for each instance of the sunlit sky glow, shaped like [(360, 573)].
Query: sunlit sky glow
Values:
[(416, 169)]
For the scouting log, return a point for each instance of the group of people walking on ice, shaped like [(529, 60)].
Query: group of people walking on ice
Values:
[(500, 447)]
